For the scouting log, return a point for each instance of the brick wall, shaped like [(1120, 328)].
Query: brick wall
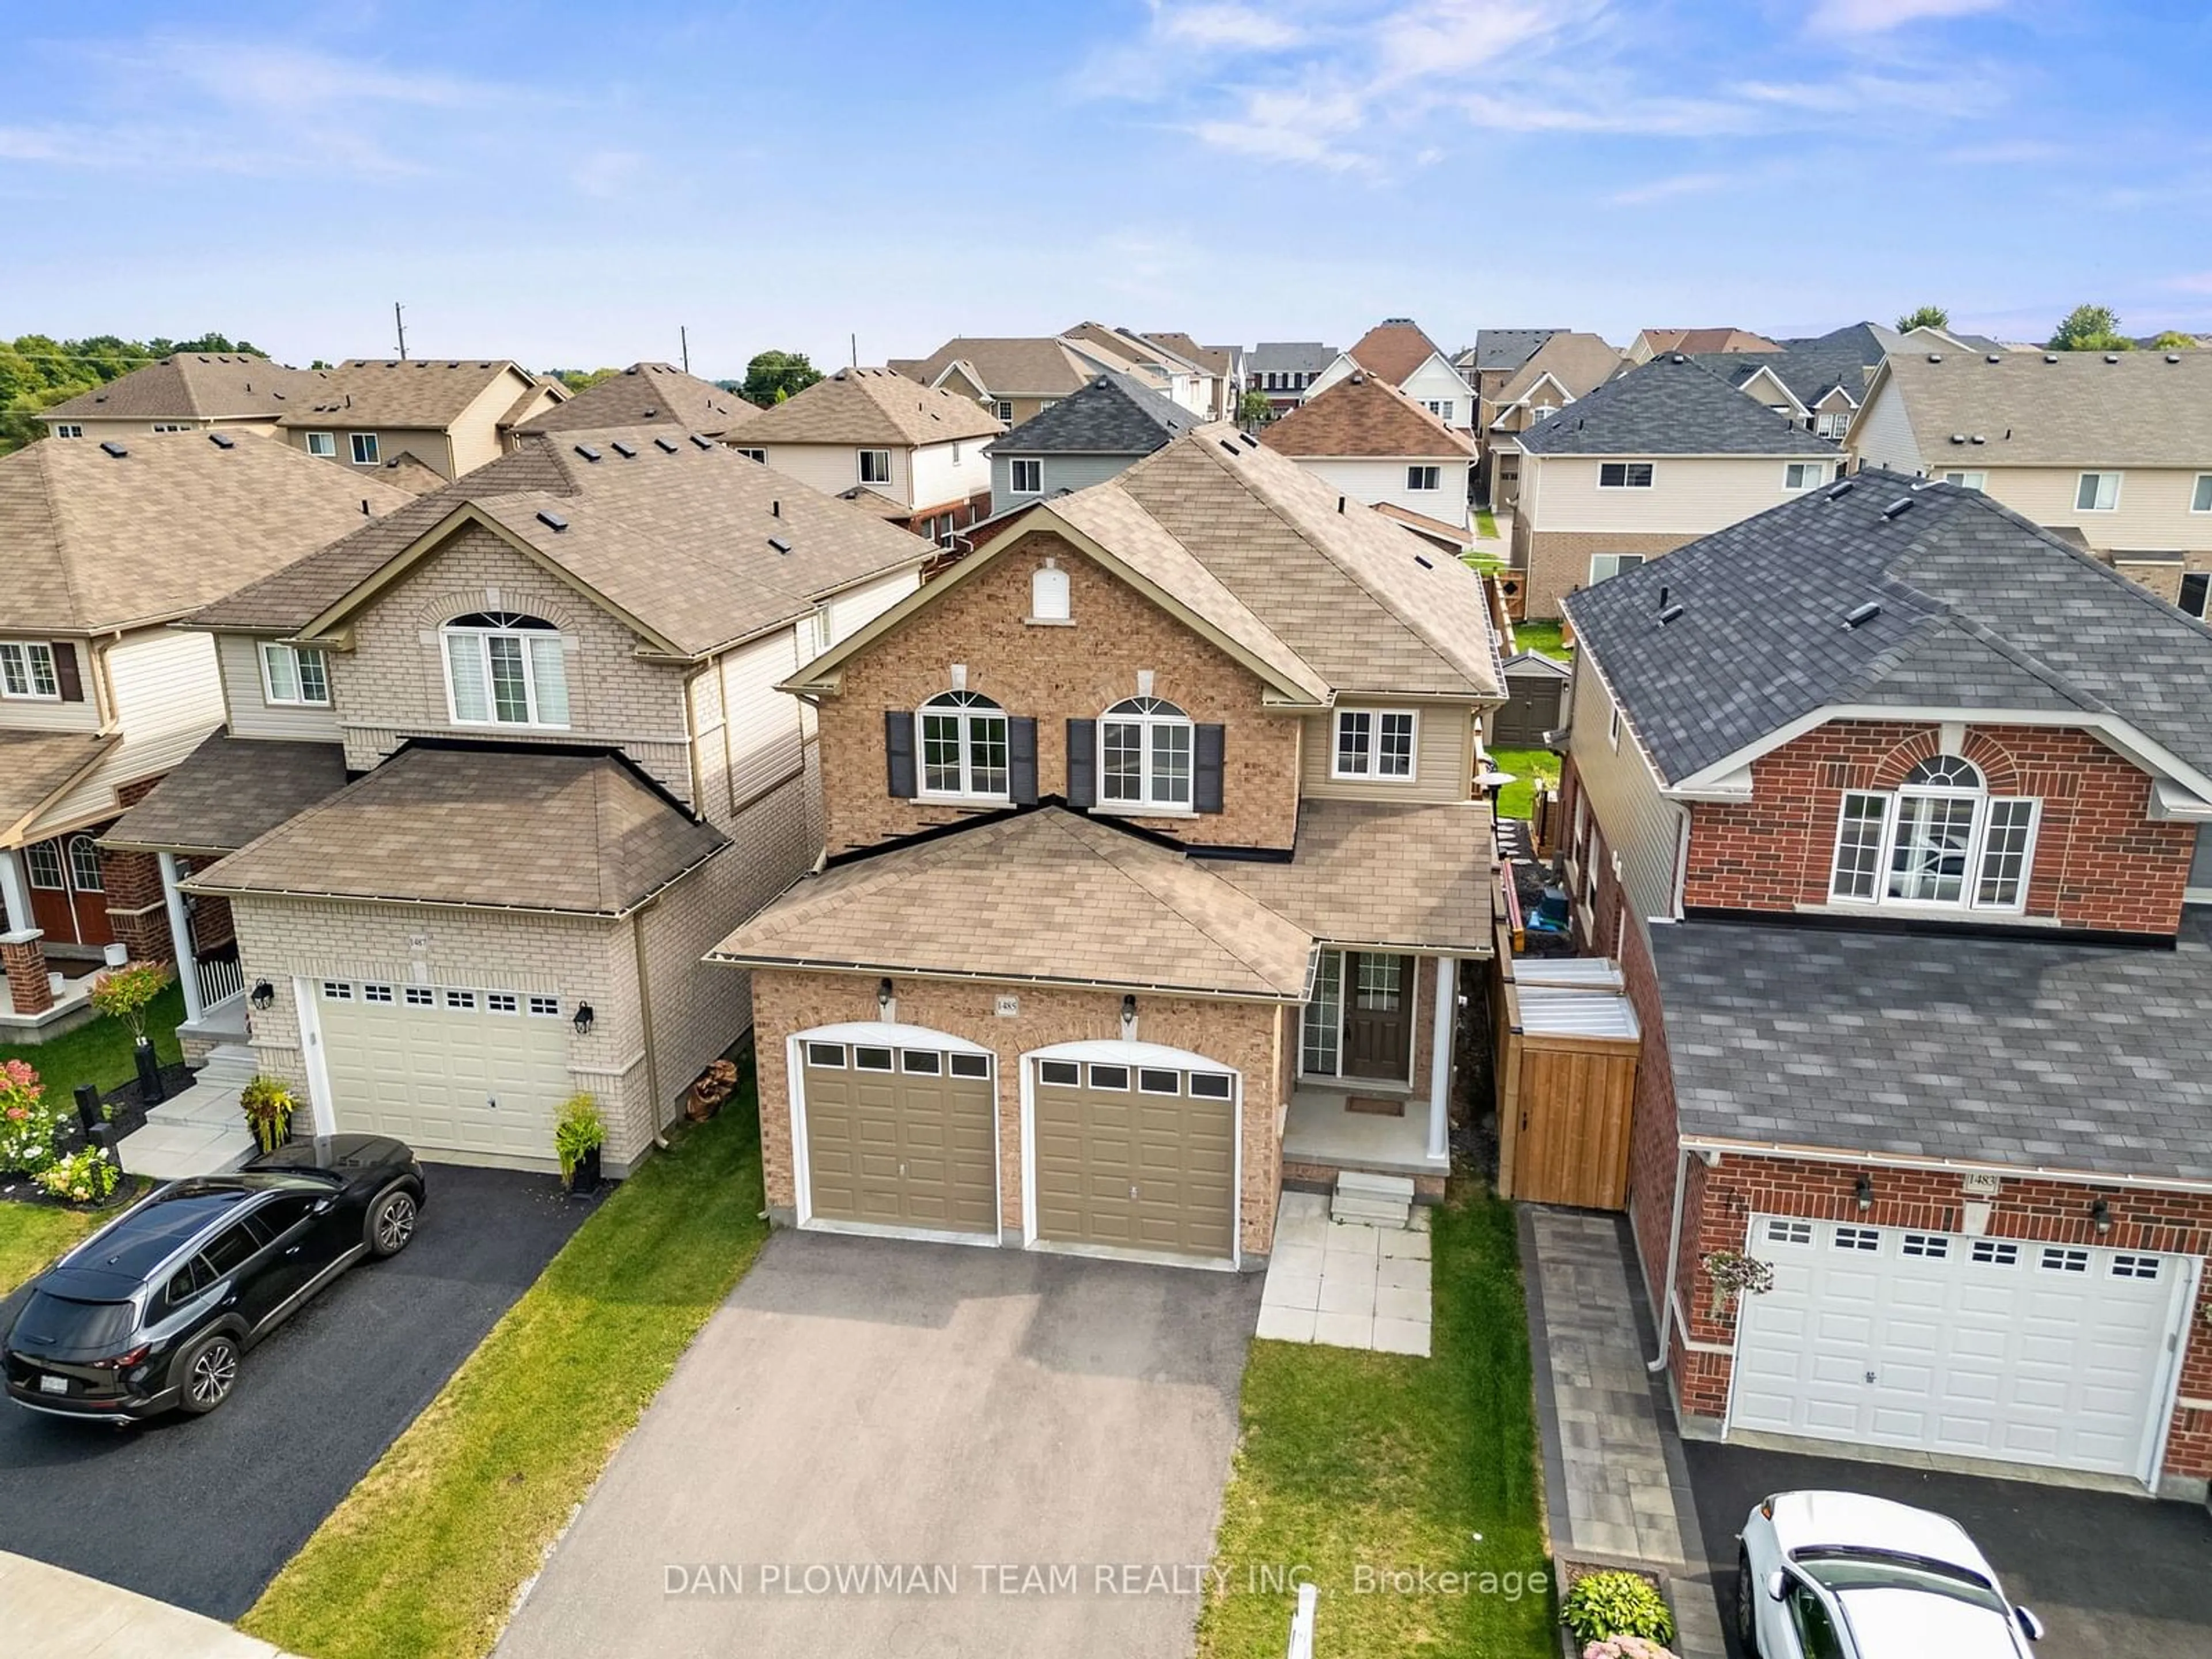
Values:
[(1559, 561), (1253, 1038), (2099, 862), (1053, 674), (131, 882)]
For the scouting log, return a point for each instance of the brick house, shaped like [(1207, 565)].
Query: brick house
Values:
[(1151, 851), (1888, 802), (104, 543), (497, 771)]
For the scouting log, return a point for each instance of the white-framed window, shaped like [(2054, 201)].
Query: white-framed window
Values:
[(867, 1059), (545, 1007), (461, 1001), (1612, 729), (1979, 480), (1145, 755), (829, 1056), (1832, 423), (759, 455), (921, 1063), (324, 444), (1422, 479), (1442, 408), (2097, 492), (364, 449), (1856, 1238), (376, 994), (420, 996), (1324, 1017), (2059, 1260), (2135, 1266), (969, 1064), (1790, 1232), (172, 426), (502, 1002), (294, 674), (1115, 1078), (27, 670), (1374, 743), (962, 738), (1623, 475), (505, 668), (2196, 593), (1605, 565), (1996, 1253), (1004, 408), (1028, 476), (1158, 1080), (1940, 838), (2200, 499), (338, 990), (68, 429), (1059, 1073), (84, 865), (875, 466), (1210, 1086), (1932, 1246), (42, 861), (1805, 475)]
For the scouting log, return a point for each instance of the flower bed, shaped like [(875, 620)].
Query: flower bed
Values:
[(1570, 1570)]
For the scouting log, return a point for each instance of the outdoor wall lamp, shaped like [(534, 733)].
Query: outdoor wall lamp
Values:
[(1864, 1192), (583, 1019), (884, 996), (1129, 1016), (2101, 1215), (264, 994)]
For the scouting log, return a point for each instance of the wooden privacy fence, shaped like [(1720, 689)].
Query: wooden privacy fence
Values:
[(1568, 1042)]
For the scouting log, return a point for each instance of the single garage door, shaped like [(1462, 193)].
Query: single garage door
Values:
[(1136, 1158), (446, 1068), (1977, 1348), (900, 1137)]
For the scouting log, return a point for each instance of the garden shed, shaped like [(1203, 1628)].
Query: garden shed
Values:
[(1535, 700), (1568, 1041)]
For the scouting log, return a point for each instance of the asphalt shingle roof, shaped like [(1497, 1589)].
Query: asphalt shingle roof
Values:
[(196, 386), (37, 766), (1040, 366), (1671, 406), (1115, 414), (647, 394), (1288, 357), (1364, 415), (1507, 347), (872, 406), (427, 392), (2060, 409), (228, 791), (1980, 609), (1343, 885), (2001, 1050), (1580, 362), (1393, 348)]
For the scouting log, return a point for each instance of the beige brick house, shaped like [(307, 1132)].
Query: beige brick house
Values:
[(553, 684), (1151, 851)]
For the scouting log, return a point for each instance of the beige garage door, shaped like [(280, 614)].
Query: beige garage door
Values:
[(1138, 1157), (446, 1068), (900, 1137)]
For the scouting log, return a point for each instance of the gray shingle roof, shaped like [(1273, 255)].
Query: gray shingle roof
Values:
[(1980, 609), (1288, 357), (1811, 368), (1507, 347), (1671, 406), (1115, 414), (2058, 1057)]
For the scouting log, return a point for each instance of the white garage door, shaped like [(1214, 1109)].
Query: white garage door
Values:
[(446, 1068), (1977, 1348)]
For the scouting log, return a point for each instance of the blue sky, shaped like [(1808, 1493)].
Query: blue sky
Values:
[(566, 183)]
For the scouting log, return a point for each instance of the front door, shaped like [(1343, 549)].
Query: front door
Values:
[(1378, 1015), (88, 892), (68, 903)]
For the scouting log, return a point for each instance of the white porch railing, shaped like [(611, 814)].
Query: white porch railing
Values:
[(220, 979)]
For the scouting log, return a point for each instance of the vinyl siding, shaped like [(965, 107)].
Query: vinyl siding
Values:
[(1689, 495), (747, 733), (1060, 473), (938, 478), (2153, 515), (834, 469), (252, 715), (1443, 759), (169, 697), (1638, 823), (856, 607), (425, 443), (1432, 380), (1882, 436), (1369, 480)]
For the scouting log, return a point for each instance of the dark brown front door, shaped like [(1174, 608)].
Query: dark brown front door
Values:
[(1379, 1016)]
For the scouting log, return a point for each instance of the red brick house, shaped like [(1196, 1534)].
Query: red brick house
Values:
[(1888, 801)]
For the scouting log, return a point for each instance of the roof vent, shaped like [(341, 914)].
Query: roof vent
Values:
[(703, 443), (552, 520), (2050, 357), (1422, 561), (365, 513), (775, 509), (839, 375), (115, 449), (2112, 357), (223, 440), (2173, 356), (1839, 492), (1977, 439), (627, 452), (779, 543), (1251, 442), (1230, 447), (1340, 504), (1958, 437), (1860, 616), (1994, 357), (667, 445), (650, 413), (1678, 358), (1898, 507), (1934, 356), (1670, 614), (587, 452)]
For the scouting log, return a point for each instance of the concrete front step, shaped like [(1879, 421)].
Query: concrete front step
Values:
[(200, 1104), (1380, 1201), (173, 1151)]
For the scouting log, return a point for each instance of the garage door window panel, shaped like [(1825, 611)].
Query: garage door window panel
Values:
[(970, 1066), (1114, 1077), (1059, 1073), (865, 1059), (920, 1062), (829, 1056)]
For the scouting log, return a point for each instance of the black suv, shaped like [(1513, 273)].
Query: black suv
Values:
[(153, 1312)]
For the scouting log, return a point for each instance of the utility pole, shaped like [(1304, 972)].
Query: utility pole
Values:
[(398, 324), (684, 337)]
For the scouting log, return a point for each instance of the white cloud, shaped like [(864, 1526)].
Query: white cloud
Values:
[(1681, 183), (1877, 16), (1225, 26), (1450, 37)]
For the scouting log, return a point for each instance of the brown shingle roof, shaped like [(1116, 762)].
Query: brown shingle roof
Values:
[(37, 766), (872, 406), (676, 536), (1039, 367), (1389, 877), (1215, 358), (90, 540), (1048, 895), (469, 824), (1393, 348), (427, 393), (1706, 339), (1363, 413), (647, 394), (212, 386), (1580, 362), (2078, 411), (228, 791)]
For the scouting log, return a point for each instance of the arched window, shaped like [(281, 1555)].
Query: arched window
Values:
[(1935, 813), (84, 865), (1144, 755), (963, 739), (1941, 838), (505, 668), (1049, 594)]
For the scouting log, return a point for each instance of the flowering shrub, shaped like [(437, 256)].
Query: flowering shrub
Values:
[(30, 1125), (1626, 1647), (1735, 1274), (1603, 1606), (127, 992), (82, 1177)]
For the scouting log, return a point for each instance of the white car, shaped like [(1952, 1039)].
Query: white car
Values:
[(1837, 1575)]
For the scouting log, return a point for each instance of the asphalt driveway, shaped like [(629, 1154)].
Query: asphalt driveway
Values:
[(880, 1447), (2109, 1575), (204, 1512)]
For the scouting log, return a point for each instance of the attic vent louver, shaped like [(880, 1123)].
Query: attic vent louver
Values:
[(114, 448), (1230, 447), (625, 451), (1860, 616), (587, 452), (1421, 560), (2050, 357), (1898, 507), (1934, 356), (553, 521), (779, 543), (2112, 357), (703, 443), (1994, 357), (1670, 614), (222, 442), (666, 444), (1839, 492), (1251, 442)]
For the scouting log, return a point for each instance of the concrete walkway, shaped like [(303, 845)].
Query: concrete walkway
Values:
[(200, 1131), (1616, 1486), (1345, 1284), (51, 1613)]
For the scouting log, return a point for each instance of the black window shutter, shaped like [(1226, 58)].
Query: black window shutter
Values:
[(1082, 764), (898, 751), (65, 675), (1021, 761), (1205, 773)]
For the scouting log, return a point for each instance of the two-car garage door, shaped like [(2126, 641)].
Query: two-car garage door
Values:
[(1978, 1347)]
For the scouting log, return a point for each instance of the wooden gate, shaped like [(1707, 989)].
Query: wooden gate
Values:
[(1567, 1083)]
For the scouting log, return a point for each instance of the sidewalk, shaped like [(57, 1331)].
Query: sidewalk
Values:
[(1615, 1484), (55, 1615)]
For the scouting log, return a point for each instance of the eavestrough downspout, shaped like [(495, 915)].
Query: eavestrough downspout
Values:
[(645, 1020), (1674, 1260)]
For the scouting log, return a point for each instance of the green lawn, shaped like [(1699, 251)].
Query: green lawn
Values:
[(1517, 800), (1486, 524), (1352, 1460), (1543, 638), (423, 1559), (31, 1235), (100, 1053)]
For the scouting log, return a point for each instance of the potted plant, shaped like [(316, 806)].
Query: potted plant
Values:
[(125, 994), (269, 1106), (578, 1136)]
